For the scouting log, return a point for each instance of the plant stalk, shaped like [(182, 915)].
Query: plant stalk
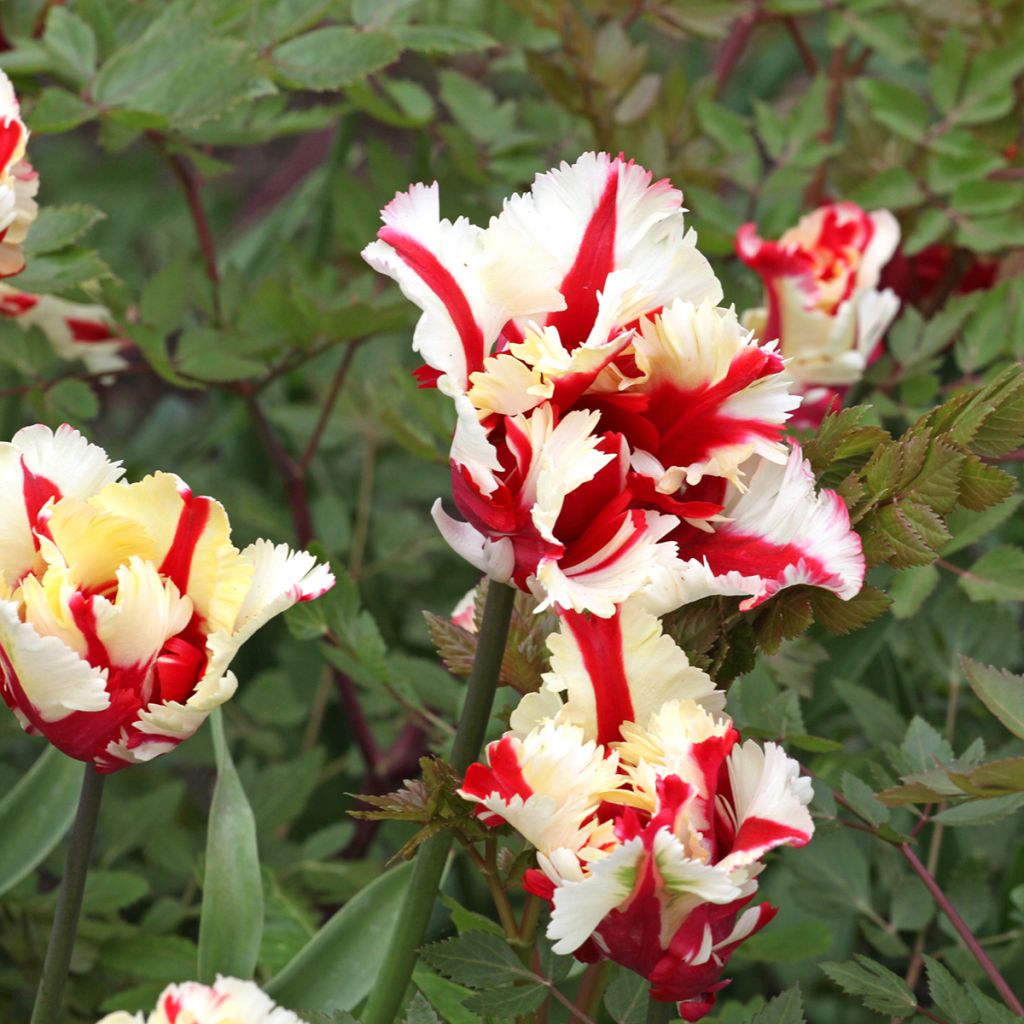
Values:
[(389, 992), (69, 902)]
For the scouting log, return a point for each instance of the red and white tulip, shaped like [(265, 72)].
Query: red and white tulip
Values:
[(226, 1001), (822, 300), (663, 872), (122, 605), (75, 330), (19, 182)]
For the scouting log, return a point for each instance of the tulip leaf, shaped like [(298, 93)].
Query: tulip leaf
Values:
[(231, 926), (36, 813), (336, 969)]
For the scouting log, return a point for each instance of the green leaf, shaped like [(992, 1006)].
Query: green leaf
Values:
[(839, 616), (332, 57), (231, 925), (923, 747), (442, 40), (59, 271), (507, 1001), (911, 589), (947, 73), (997, 576), (356, 936), (626, 997), (874, 985), (987, 92), (420, 1011), (982, 486), (160, 958), (861, 798), (57, 110), (1000, 691), (35, 813), (72, 43), (445, 995), (893, 188), (72, 400), (477, 960), (948, 994), (58, 226), (203, 353), (981, 812), (470, 921), (896, 107), (930, 226), (788, 943), (787, 1008)]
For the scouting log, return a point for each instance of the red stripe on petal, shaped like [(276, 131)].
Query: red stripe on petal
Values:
[(11, 135), (177, 563), (88, 331), (440, 281), (594, 261), (36, 491), (763, 834), (600, 644)]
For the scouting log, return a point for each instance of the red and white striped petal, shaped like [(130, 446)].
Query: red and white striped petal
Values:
[(580, 906), (601, 214), (494, 558), (621, 669), (547, 785), (38, 465), (780, 533), (716, 396), (618, 557), (227, 1001), (44, 680), (766, 805), (466, 288)]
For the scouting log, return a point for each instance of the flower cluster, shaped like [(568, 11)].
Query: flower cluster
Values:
[(122, 605), (227, 1001), (618, 431), (649, 816), (821, 297), (18, 182), (75, 330)]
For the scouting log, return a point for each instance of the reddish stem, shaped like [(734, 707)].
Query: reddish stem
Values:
[(965, 933), (734, 47), (806, 53), (328, 407)]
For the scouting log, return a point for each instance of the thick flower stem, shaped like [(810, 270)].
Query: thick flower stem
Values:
[(660, 1013), (388, 993), (69, 902)]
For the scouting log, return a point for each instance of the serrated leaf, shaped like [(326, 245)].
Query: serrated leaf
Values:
[(983, 485), (72, 43), (874, 985), (442, 40), (787, 1008), (1000, 691), (477, 960), (470, 921), (60, 271), (923, 747), (949, 995), (57, 110), (73, 400), (420, 1011), (333, 57), (839, 616), (896, 107), (507, 1001)]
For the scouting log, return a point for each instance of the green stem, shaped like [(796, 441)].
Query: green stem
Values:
[(659, 1012), (389, 992), (69, 902)]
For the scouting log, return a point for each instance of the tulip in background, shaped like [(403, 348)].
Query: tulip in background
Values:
[(227, 1001), (122, 605), (822, 301), (18, 182), (75, 330)]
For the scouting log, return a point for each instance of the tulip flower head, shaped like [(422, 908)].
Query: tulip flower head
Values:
[(822, 299), (227, 1001), (649, 841), (19, 182), (122, 605), (75, 330), (608, 409)]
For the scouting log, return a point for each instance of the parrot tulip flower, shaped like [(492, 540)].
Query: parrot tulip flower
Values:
[(651, 836), (226, 1001), (18, 182), (822, 299), (122, 605)]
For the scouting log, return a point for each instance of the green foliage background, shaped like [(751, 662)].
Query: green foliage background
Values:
[(283, 389)]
